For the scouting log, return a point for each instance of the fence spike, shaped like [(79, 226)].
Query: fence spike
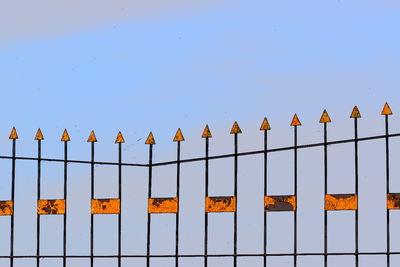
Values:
[(39, 135), (206, 132), (120, 138), (265, 125), (386, 110), (295, 121), (179, 136), (355, 113), (236, 129), (65, 136), (13, 134), (150, 139), (325, 117), (92, 137)]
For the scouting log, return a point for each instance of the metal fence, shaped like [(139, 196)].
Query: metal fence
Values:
[(213, 204)]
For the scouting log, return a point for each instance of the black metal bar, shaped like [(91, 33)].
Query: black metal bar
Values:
[(210, 255), (325, 193), (91, 214), (387, 190), (277, 149), (235, 193), (38, 198), (149, 196), (356, 188), (120, 199), (265, 193), (295, 194), (206, 214), (178, 177), (14, 150), (210, 157), (66, 204)]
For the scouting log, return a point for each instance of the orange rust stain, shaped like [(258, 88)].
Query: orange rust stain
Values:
[(295, 121), (206, 132), (265, 126), (6, 207), (355, 113), (236, 129), (106, 206), (51, 206), (341, 202), (325, 117), (163, 205), (280, 203), (220, 204), (393, 201), (150, 139)]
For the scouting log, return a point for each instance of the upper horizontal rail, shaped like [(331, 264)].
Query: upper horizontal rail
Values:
[(343, 141)]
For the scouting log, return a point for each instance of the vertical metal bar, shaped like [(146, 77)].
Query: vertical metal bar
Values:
[(265, 193), (235, 194), (148, 214), (325, 193), (356, 188), (66, 204), (91, 214), (206, 214), (178, 172), (295, 194), (120, 198), (387, 191), (38, 197), (14, 145)]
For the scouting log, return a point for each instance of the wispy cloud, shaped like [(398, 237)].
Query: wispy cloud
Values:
[(22, 20)]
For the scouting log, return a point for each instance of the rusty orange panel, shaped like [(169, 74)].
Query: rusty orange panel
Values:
[(106, 206), (220, 204), (6, 207), (163, 205), (341, 202), (51, 206), (280, 203), (393, 201)]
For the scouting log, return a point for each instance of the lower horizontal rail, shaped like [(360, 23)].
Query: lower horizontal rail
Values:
[(210, 255)]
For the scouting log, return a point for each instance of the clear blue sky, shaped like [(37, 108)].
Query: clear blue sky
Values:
[(140, 66)]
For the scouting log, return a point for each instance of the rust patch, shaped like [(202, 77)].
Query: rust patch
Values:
[(6, 207), (221, 204), (163, 205), (106, 206), (280, 203), (341, 202), (51, 206), (393, 201)]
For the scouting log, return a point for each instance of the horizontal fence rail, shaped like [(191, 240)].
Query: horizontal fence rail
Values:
[(212, 204)]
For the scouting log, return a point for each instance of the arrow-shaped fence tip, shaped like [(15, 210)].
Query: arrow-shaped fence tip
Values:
[(206, 132), (236, 129), (179, 136), (120, 138), (150, 139), (39, 135), (355, 113), (13, 134), (265, 125), (65, 136), (295, 121), (325, 117), (92, 137), (386, 110)]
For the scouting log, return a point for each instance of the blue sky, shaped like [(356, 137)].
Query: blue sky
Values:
[(150, 66)]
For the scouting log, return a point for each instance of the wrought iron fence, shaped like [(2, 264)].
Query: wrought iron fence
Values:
[(213, 204)]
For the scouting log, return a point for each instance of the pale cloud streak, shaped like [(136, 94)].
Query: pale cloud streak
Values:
[(24, 20)]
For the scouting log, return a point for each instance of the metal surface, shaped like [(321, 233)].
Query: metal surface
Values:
[(341, 202), (213, 204), (51, 206), (280, 203), (106, 206), (163, 205), (220, 204)]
